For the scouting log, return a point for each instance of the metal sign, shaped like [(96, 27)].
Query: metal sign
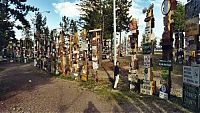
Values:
[(165, 8), (163, 95), (165, 63), (192, 9), (146, 48), (191, 75), (192, 27), (191, 96)]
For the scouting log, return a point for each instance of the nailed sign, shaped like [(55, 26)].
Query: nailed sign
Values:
[(148, 87), (192, 27), (191, 97), (192, 9), (147, 60), (191, 75)]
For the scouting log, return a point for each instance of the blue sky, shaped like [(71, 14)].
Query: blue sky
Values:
[(59, 8)]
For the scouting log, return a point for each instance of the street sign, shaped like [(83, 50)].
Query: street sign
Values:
[(146, 48), (191, 97), (191, 75), (148, 87), (165, 63)]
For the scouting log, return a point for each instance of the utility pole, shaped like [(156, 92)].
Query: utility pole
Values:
[(114, 34)]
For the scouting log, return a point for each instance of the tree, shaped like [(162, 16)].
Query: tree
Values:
[(91, 18), (123, 18), (18, 11), (40, 23), (179, 17)]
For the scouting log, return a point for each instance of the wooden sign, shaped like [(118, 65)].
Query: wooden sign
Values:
[(148, 87), (192, 27), (191, 75), (147, 61)]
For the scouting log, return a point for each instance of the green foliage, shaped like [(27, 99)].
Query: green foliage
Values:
[(40, 23), (99, 14), (179, 17), (18, 11), (69, 26)]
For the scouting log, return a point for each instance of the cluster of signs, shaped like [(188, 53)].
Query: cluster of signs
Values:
[(191, 87), (165, 72), (148, 86)]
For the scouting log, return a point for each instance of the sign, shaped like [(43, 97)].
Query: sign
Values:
[(146, 48), (163, 95), (165, 63), (191, 75), (147, 61), (165, 8), (192, 27), (192, 9), (191, 96), (148, 87)]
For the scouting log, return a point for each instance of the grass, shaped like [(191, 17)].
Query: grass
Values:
[(2, 69)]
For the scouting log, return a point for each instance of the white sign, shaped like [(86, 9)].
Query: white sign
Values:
[(191, 75), (95, 65), (163, 95), (147, 60)]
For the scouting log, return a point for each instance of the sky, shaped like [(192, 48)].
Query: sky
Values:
[(59, 8)]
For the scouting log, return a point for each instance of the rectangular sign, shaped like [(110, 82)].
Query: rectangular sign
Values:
[(163, 95), (148, 87), (191, 96), (165, 63), (191, 75), (147, 61), (192, 27), (146, 48), (192, 9)]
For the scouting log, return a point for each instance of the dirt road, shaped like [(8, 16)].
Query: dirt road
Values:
[(24, 88)]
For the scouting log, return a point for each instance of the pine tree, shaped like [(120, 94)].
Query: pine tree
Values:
[(18, 11)]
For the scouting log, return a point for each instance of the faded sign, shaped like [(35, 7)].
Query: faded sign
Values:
[(192, 27)]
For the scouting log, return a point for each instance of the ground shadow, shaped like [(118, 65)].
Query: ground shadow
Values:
[(91, 108), (20, 77), (111, 79)]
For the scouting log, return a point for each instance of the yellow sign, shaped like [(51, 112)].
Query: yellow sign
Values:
[(192, 27)]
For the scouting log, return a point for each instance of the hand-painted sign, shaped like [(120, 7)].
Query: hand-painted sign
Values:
[(147, 61), (192, 27), (148, 87), (191, 75)]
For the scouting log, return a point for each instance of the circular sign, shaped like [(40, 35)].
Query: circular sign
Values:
[(166, 6), (163, 88)]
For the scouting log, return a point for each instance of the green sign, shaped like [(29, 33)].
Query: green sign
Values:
[(164, 73), (191, 97), (146, 48), (165, 63)]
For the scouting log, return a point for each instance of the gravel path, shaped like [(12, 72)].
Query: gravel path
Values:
[(46, 94)]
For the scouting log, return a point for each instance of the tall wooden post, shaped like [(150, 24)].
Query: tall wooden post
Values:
[(149, 85)]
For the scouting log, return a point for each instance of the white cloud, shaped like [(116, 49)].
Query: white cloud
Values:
[(67, 9)]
